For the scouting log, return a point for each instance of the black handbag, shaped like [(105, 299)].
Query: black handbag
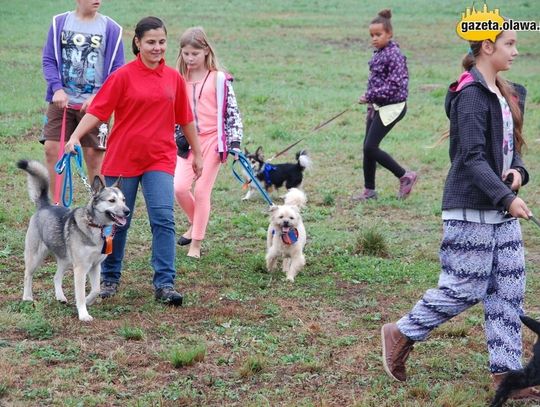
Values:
[(182, 144)]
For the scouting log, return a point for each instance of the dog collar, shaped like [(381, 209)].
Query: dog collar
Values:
[(289, 238), (95, 225)]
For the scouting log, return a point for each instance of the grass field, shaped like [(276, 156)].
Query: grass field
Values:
[(246, 337)]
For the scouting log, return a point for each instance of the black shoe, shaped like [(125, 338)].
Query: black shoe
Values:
[(108, 289), (169, 296), (184, 241)]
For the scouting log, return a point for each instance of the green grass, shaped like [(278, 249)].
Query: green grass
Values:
[(181, 356), (252, 366), (247, 337), (36, 327), (131, 333), (372, 243)]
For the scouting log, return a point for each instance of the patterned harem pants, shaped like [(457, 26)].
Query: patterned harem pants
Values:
[(479, 262)]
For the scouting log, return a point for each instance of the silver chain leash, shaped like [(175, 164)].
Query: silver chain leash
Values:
[(84, 180)]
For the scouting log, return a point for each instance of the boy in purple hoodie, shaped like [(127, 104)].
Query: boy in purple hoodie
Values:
[(83, 47), (386, 97)]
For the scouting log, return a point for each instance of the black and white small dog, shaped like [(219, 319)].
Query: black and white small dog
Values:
[(529, 376), (274, 176)]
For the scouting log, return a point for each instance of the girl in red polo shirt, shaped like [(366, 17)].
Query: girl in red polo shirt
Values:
[(148, 99)]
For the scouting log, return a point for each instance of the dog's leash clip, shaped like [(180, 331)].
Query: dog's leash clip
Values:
[(60, 166)]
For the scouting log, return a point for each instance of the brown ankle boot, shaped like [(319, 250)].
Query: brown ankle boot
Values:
[(529, 393), (396, 348)]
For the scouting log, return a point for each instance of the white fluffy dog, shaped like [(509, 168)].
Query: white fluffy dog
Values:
[(286, 235)]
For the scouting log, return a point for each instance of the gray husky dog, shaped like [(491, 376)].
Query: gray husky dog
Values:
[(76, 237)]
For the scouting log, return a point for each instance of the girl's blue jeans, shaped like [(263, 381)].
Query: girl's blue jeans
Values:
[(158, 192)]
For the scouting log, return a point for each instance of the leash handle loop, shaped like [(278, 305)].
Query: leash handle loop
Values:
[(64, 164)]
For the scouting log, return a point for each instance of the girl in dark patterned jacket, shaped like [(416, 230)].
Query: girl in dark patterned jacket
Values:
[(219, 127), (386, 96), (482, 255)]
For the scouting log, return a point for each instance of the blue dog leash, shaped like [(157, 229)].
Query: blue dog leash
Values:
[(247, 168), (64, 164)]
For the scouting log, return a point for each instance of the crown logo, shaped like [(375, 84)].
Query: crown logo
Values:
[(480, 25)]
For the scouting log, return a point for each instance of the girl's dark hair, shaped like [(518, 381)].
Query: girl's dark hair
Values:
[(144, 25), (383, 17), (507, 90)]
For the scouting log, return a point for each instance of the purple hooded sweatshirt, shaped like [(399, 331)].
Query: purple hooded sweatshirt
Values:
[(52, 52), (388, 76)]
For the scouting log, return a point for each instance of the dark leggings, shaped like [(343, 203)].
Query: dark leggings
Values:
[(375, 132)]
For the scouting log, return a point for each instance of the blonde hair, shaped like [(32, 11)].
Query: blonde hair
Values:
[(197, 38), (507, 90)]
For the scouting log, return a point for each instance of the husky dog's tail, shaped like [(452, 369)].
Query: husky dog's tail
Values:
[(296, 197), (38, 181), (303, 160)]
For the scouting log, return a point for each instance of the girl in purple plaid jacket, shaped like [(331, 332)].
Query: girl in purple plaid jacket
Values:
[(482, 256), (386, 96)]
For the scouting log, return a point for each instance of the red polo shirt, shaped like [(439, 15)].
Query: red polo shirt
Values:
[(146, 104)]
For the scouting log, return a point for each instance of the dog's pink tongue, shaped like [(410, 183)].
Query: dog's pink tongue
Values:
[(121, 221), (285, 229)]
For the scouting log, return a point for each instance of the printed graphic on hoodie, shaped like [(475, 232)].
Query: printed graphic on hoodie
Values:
[(80, 56)]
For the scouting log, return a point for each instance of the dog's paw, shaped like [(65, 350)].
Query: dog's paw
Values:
[(291, 279), (62, 299), (86, 318), (27, 298), (271, 267)]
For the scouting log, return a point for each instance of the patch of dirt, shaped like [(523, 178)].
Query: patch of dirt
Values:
[(346, 43)]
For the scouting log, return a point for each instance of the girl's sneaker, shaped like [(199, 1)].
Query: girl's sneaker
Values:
[(406, 184), (365, 195)]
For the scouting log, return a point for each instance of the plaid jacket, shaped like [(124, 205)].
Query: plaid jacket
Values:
[(476, 141)]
